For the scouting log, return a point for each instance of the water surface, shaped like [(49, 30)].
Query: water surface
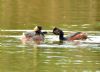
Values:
[(15, 57)]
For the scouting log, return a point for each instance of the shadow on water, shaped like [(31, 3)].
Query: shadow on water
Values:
[(15, 57)]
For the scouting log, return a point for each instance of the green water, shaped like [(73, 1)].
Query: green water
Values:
[(15, 57), (69, 15)]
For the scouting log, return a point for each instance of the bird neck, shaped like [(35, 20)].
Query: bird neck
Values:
[(61, 36)]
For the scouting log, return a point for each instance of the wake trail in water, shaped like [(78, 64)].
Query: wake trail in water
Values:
[(91, 41)]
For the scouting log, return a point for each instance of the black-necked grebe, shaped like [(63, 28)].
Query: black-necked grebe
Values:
[(36, 35), (70, 37)]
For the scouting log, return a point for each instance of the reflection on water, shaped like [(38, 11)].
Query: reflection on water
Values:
[(15, 57)]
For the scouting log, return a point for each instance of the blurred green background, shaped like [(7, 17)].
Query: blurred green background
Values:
[(67, 14), (76, 15)]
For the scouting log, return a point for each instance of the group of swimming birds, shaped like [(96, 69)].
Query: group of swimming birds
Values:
[(37, 36)]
